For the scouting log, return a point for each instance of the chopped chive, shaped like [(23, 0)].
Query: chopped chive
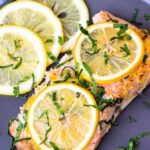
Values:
[(53, 145), (17, 46), (84, 31), (19, 59), (53, 58), (145, 58), (87, 68), (63, 63), (60, 40), (16, 91), (123, 28), (135, 17), (126, 50), (69, 52), (49, 41), (106, 58), (7, 66)]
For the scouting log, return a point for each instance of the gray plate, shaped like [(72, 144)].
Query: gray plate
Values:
[(118, 136)]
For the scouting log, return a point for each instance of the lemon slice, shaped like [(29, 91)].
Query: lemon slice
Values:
[(39, 19), (22, 60), (71, 13), (113, 58), (58, 117)]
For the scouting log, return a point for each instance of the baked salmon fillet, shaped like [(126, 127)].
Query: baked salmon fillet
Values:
[(124, 90)]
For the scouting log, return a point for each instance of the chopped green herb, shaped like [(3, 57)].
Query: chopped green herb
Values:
[(19, 59), (60, 40), (63, 63), (89, 71), (66, 77), (145, 58), (123, 28), (53, 58), (134, 141), (84, 31), (53, 96), (106, 58), (88, 22), (68, 52), (33, 81), (135, 17), (111, 19), (53, 146), (103, 103), (121, 37), (87, 68), (45, 113), (21, 126), (147, 17), (16, 91), (49, 41), (17, 45), (46, 135), (131, 119), (126, 50), (7, 66), (26, 78)]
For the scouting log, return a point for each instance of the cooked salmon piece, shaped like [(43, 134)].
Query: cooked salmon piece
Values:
[(127, 88)]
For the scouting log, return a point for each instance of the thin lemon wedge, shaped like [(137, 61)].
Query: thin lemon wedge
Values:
[(58, 117), (22, 60), (112, 51)]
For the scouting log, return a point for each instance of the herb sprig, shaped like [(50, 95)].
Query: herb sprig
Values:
[(134, 141)]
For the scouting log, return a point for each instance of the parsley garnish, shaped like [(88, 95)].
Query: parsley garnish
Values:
[(53, 96), (126, 50), (52, 57), (89, 71), (134, 141), (63, 63), (147, 17), (49, 41), (53, 145), (69, 52), (60, 40), (131, 119), (88, 22), (16, 91), (134, 17), (106, 58), (26, 78), (104, 103), (145, 58)]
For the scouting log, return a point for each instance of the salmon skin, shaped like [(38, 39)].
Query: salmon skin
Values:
[(133, 85)]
